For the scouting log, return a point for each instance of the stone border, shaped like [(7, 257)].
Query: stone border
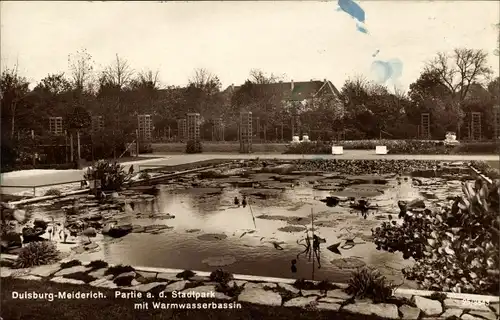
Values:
[(270, 291)]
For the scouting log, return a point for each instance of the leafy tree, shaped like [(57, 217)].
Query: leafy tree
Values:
[(13, 89), (429, 95)]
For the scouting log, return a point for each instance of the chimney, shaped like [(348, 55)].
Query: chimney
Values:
[(291, 85)]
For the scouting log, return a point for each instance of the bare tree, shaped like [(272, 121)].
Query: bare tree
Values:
[(147, 79), (203, 78), (457, 71), (119, 74), (81, 69)]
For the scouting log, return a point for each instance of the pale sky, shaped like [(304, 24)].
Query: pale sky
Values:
[(301, 40)]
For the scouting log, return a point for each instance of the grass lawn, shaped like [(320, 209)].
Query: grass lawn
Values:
[(123, 309)]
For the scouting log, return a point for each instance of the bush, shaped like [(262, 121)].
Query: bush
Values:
[(396, 147), (98, 264), (37, 254), (53, 192), (194, 146), (369, 283), (455, 248), (70, 264), (309, 148), (111, 176)]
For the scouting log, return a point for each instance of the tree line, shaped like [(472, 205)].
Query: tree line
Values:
[(451, 85)]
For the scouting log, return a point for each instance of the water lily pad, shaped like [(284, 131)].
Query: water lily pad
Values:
[(212, 236), (348, 263), (220, 261)]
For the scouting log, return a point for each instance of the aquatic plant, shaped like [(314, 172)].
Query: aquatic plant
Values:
[(37, 254), (455, 248), (53, 192), (369, 283), (110, 175)]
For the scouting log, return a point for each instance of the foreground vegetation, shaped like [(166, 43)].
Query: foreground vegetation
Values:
[(397, 147), (455, 248)]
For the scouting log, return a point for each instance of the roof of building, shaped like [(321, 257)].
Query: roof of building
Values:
[(296, 91)]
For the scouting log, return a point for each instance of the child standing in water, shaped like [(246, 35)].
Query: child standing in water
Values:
[(294, 266)]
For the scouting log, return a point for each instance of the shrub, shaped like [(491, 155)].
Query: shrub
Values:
[(396, 147), (186, 274), (37, 254), (116, 270), (70, 264), (221, 276), (194, 146), (369, 283), (111, 175), (309, 148), (97, 264), (456, 247), (53, 192)]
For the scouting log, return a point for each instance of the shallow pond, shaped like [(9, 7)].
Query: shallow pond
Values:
[(210, 230)]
